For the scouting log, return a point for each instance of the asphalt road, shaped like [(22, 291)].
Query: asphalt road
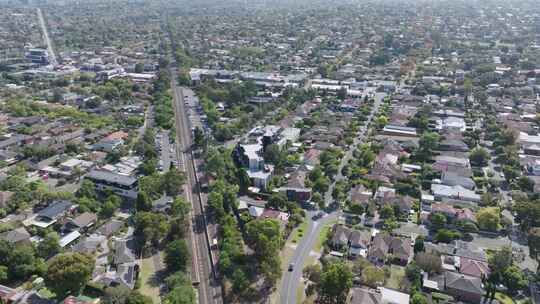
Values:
[(52, 54), (209, 291), (290, 280)]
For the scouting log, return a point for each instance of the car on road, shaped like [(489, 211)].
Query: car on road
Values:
[(317, 216), (291, 266)]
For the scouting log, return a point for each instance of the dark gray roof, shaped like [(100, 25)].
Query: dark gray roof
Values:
[(55, 210), (111, 177), (123, 251)]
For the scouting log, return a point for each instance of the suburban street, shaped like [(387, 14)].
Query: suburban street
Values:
[(208, 290), (290, 281), (52, 54)]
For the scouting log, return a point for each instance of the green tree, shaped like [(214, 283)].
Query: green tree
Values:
[(180, 207), (438, 220), (143, 202), (3, 274), (534, 245), (136, 297), (117, 294), (430, 263), (526, 184), (198, 137), (418, 298), (177, 255), (336, 280), (181, 290), (68, 273), (150, 228), (479, 157), (277, 201), (446, 236), (528, 214), (264, 237), (373, 276), (49, 246), (419, 244), (87, 189), (514, 279), (489, 218), (172, 182), (240, 281)]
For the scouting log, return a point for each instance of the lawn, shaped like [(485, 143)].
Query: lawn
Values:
[(148, 280), (397, 273), (323, 236), (298, 232)]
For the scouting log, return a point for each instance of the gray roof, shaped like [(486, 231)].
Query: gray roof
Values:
[(463, 282), (16, 235), (55, 210), (110, 228), (84, 219), (111, 177), (123, 251), (364, 296), (453, 179)]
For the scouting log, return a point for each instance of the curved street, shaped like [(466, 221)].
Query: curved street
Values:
[(290, 280)]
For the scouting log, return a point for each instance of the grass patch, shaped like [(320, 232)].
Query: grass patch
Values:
[(397, 273), (300, 293), (298, 233), (503, 299), (148, 286), (323, 236)]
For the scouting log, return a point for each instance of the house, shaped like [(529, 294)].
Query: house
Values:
[(474, 268), (380, 295), (82, 222), (296, 189), (463, 287), (390, 296), (53, 213), (359, 242), (364, 296), (442, 161), (122, 185), (124, 268), (454, 192), (340, 237), (162, 204), (450, 178), (90, 244), (110, 228), (282, 217), (16, 236), (360, 195), (395, 130), (453, 145), (384, 245)]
